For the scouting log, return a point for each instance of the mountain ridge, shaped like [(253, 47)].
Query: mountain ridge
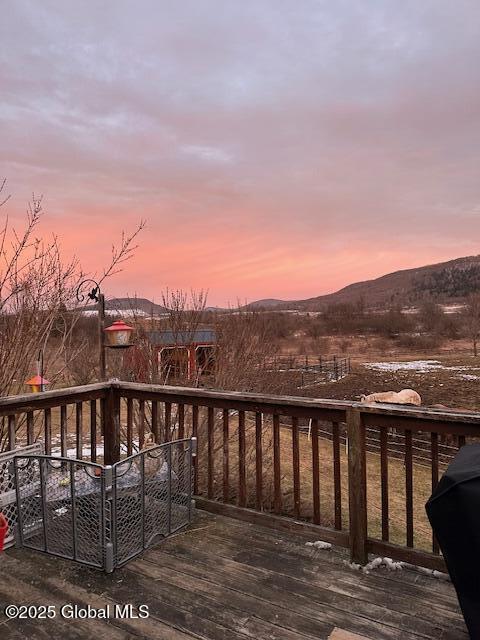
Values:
[(443, 282), (450, 281)]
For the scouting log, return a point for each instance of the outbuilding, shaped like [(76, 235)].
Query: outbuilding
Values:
[(184, 354)]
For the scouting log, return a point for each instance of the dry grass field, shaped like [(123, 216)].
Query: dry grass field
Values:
[(450, 384)]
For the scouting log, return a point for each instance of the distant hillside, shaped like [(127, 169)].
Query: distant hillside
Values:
[(445, 282), (268, 303), (131, 306)]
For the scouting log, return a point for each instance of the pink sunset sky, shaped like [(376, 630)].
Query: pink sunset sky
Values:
[(275, 149)]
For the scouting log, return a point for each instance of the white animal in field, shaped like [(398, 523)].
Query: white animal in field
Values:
[(405, 396)]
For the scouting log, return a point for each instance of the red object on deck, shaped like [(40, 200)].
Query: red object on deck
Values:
[(3, 530)]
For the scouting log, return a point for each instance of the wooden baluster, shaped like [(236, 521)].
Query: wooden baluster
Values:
[(79, 429), (30, 434), (141, 424), (258, 463), (210, 452), (129, 426), (63, 431), (12, 430), (242, 482), (296, 467), (357, 486), (226, 461), (409, 487), (337, 483), (315, 472), (434, 454), (195, 459), (111, 434), (277, 489), (93, 430), (47, 428), (168, 422), (384, 481), (155, 421), (181, 421), (103, 416)]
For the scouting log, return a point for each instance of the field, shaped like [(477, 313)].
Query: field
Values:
[(452, 379), (448, 375)]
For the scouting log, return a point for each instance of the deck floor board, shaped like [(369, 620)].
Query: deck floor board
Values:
[(224, 579)]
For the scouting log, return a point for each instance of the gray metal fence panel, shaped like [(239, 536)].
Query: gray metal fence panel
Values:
[(61, 507), (8, 497), (99, 515), (152, 492)]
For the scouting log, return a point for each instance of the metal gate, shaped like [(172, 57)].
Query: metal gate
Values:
[(8, 497), (103, 516)]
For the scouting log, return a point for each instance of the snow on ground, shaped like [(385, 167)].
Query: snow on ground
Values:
[(453, 308), (422, 366), (72, 451), (134, 313), (413, 365)]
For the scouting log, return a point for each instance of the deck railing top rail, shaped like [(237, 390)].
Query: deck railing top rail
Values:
[(203, 396), (52, 398), (69, 395)]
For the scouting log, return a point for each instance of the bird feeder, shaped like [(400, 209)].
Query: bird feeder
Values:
[(118, 335), (37, 383)]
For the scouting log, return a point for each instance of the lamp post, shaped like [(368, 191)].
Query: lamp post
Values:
[(96, 295), (117, 336)]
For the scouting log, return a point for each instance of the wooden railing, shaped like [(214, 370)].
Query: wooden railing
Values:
[(266, 458)]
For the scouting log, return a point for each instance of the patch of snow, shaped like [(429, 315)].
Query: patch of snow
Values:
[(319, 544), (391, 565), (387, 562), (421, 366), (413, 365), (120, 312), (453, 308), (72, 451), (428, 572)]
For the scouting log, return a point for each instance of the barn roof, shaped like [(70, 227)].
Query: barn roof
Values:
[(200, 336)]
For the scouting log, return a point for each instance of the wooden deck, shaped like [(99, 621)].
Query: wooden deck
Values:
[(224, 579)]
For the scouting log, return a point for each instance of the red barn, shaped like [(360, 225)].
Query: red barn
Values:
[(184, 354)]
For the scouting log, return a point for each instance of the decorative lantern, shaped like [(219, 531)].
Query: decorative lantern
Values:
[(37, 383), (118, 335)]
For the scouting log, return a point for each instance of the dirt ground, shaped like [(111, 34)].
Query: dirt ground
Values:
[(445, 386)]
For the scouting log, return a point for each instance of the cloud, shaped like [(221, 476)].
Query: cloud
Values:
[(265, 142)]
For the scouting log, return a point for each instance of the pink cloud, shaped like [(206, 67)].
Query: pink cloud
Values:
[(274, 151)]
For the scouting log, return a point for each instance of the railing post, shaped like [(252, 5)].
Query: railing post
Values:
[(357, 486), (111, 437)]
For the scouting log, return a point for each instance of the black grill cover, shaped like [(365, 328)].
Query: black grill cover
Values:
[(454, 513)]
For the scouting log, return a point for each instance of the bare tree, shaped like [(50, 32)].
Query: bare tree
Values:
[(244, 353), (38, 305), (471, 317)]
